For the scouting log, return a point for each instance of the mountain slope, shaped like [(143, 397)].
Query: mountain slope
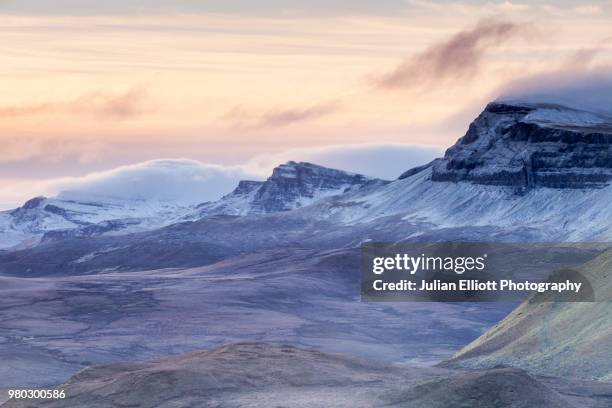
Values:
[(83, 217), (562, 339), (519, 168)]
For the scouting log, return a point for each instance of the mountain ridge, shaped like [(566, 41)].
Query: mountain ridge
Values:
[(549, 154), (292, 185)]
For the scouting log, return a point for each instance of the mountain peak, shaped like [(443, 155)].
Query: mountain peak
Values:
[(527, 145), (292, 185), (292, 169), (35, 202)]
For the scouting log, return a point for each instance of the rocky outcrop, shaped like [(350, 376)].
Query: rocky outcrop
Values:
[(292, 185), (531, 145)]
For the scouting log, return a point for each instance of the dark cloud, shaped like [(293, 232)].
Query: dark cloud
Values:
[(97, 104), (280, 117), (459, 57)]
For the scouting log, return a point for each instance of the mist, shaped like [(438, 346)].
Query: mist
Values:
[(587, 90)]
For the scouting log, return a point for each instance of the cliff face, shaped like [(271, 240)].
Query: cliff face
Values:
[(292, 185), (531, 145)]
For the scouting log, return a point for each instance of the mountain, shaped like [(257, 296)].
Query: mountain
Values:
[(516, 160), (83, 216), (553, 338), (335, 209), (522, 171), (78, 214), (531, 145), (292, 185)]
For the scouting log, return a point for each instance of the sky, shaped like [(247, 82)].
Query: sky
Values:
[(90, 87)]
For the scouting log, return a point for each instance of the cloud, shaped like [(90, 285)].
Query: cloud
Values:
[(277, 118), (588, 10), (512, 7), (180, 180), (26, 110), (459, 57), (581, 59), (100, 105), (385, 161), (587, 89), (189, 181), (129, 104)]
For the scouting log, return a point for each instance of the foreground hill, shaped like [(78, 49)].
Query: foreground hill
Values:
[(553, 338), (265, 375)]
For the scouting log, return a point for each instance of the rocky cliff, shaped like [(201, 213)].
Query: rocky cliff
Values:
[(292, 185), (531, 145)]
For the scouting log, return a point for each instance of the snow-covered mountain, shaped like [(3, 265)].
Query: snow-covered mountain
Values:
[(540, 168), (292, 185), (78, 214), (531, 145), (82, 216)]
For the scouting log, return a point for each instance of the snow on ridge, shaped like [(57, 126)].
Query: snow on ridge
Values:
[(551, 114)]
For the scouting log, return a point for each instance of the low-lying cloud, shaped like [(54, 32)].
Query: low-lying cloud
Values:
[(179, 180), (189, 181), (580, 89), (459, 57)]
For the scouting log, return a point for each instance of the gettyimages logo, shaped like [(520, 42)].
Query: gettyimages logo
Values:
[(413, 264), (467, 271)]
